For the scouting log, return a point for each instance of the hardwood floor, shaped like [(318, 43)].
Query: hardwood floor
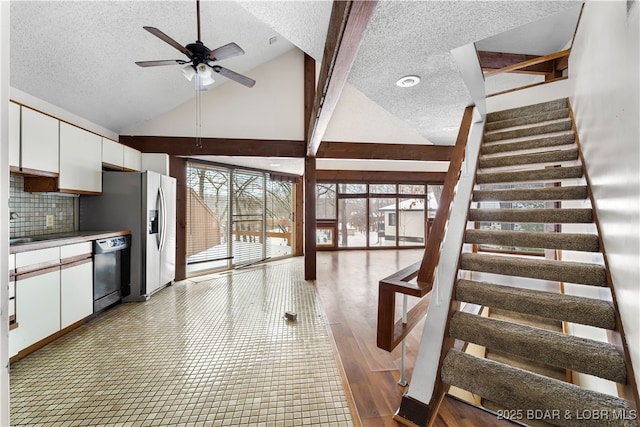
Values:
[(348, 287)]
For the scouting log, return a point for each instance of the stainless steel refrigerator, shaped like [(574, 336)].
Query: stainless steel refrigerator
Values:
[(145, 204)]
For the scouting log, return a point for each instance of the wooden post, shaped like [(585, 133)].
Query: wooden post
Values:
[(178, 170), (310, 218)]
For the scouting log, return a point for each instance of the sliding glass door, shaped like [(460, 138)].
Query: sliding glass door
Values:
[(236, 217)]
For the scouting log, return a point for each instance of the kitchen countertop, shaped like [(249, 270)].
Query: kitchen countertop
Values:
[(51, 240)]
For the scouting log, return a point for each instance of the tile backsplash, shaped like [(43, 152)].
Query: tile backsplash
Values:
[(33, 208)]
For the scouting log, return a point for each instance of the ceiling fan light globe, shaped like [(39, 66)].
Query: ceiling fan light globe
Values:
[(207, 81), (203, 70), (189, 72)]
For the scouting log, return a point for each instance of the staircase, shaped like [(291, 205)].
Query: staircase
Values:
[(529, 170)]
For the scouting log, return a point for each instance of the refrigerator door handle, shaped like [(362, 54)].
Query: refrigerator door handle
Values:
[(163, 210)]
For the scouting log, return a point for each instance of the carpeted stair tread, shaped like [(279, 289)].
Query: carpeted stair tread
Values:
[(556, 140), (560, 271), (552, 348), (562, 307), (522, 390), (574, 192), (555, 156), (520, 121), (528, 110), (548, 216), (530, 130), (526, 239), (535, 175)]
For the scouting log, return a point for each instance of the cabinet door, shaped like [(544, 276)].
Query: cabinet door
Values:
[(14, 135), (76, 292), (37, 308), (80, 160), (39, 141), (112, 154), (132, 159)]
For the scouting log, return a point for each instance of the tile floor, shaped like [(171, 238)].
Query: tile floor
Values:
[(213, 351)]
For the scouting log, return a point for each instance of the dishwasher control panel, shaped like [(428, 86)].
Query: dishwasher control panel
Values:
[(111, 244)]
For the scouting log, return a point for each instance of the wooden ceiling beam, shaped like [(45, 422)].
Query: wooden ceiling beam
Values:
[(347, 25), (491, 61), (186, 146), (379, 177), (531, 62), (369, 151)]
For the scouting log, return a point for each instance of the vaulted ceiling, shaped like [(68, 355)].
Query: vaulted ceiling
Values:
[(79, 55)]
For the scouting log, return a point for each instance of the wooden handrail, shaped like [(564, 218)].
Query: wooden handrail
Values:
[(392, 332), (529, 63), (432, 251)]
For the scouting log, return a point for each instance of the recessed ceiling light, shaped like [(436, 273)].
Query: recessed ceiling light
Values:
[(273, 40), (408, 81)]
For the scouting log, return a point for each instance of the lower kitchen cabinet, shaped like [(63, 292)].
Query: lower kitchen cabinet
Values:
[(76, 292), (37, 308)]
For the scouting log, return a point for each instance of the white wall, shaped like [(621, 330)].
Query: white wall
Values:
[(272, 109), (604, 69), (358, 119), (4, 220)]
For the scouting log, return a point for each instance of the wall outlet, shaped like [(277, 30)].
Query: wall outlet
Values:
[(49, 221)]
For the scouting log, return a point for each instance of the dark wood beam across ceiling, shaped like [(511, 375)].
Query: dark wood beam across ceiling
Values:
[(379, 177), (370, 151), (347, 25), (186, 146), (490, 61)]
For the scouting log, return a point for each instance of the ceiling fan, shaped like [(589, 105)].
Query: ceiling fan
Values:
[(201, 60)]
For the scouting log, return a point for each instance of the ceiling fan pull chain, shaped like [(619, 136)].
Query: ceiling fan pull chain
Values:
[(198, 112)]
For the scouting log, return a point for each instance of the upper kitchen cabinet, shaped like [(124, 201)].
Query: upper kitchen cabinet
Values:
[(14, 136), (39, 143), (80, 160), (132, 159), (112, 154)]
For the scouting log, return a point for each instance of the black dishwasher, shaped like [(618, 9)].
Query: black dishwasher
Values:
[(111, 271)]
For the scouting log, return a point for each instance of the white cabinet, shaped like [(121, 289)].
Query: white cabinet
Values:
[(80, 160), (14, 135), (76, 249), (132, 159), (76, 292), (39, 141), (53, 290), (39, 258), (112, 154), (37, 308), (156, 162)]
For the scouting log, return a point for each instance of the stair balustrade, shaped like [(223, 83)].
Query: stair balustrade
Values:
[(391, 331)]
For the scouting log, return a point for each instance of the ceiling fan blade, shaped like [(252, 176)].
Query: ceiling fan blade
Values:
[(161, 62), (243, 80), (162, 36), (227, 51)]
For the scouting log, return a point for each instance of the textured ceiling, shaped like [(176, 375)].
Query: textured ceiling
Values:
[(79, 55)]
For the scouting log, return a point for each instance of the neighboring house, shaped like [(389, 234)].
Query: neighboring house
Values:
[(407, 221)]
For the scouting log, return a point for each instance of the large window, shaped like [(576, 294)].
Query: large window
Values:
[(236, 217), (377, 215)]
